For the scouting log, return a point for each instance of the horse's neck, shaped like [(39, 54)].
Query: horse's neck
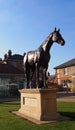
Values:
[(46, 45)]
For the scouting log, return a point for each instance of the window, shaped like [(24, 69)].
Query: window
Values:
[(65, 71)]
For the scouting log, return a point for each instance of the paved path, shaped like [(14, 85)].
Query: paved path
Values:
[(8, 99), (66, 97)]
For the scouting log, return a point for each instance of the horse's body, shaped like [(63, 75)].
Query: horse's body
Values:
[(33, 60)]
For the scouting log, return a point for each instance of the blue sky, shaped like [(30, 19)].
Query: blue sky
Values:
[(25, 24)]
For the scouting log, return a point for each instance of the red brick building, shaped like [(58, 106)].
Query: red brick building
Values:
[(66, 73)]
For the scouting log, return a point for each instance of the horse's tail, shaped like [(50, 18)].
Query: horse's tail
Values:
[(25, 61)]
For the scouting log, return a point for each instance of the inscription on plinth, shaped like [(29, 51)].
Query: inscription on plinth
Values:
[(29, 101)]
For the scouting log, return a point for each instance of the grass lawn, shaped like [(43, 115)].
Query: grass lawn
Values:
[(8, 121)]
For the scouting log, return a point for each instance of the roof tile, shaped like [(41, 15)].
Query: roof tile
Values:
[(9, 69)]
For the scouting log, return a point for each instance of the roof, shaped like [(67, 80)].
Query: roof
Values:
[(9, 69), (16, 57), (66, 64)]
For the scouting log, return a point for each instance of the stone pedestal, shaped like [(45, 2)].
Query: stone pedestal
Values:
[(39, 104)]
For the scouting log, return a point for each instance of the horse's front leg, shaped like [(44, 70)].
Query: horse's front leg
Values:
[(44, 77), (37, 75)]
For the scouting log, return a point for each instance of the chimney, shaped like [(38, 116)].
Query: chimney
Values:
[(5, 56), (9, 53)]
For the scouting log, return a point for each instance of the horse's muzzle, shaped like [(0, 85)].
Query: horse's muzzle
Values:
[(62, 43)]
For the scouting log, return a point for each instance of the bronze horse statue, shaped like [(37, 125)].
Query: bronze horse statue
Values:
[(33, 60)]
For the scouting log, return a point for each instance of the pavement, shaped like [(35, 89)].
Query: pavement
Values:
[(66, 97), (9, 99)]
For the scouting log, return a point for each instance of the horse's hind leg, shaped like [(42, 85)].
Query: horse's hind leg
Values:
[(28, 78), (37, 75), (32, 77), (25, 85)]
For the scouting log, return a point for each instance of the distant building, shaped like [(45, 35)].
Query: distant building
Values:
[(11, 74), (0, 60), (16, 60), (66, 73)]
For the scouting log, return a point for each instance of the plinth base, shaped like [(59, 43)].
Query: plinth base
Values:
[(59, 118), (39, 104)]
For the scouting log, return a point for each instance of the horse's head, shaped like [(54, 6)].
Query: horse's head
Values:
[(57, 37)]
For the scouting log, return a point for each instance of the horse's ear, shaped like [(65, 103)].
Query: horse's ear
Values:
[(55, 29), (58, 30)]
